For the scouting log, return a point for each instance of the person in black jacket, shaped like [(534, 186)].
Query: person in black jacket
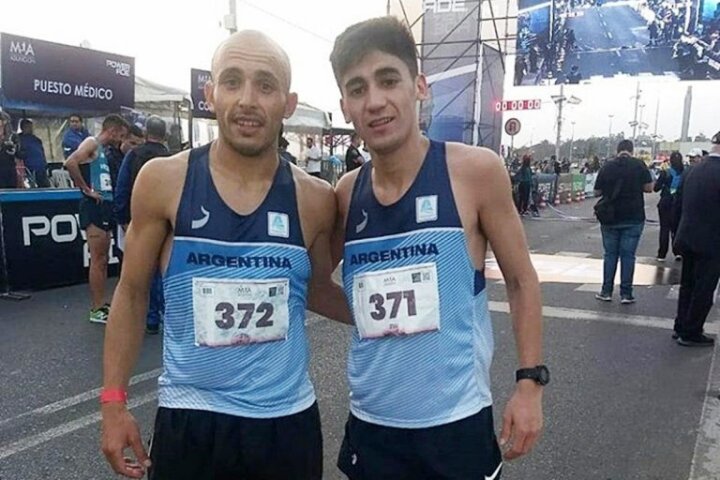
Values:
[(622, 182), (668, 184), (698, 240), (132, 163)]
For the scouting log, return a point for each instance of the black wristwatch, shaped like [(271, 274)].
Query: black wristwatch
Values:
[(539, 374)]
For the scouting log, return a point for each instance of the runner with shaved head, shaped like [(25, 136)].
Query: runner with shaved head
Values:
[(236, 232)]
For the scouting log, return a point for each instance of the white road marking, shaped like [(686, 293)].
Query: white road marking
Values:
[(573, 254), (706, 457), (65, 428), (609, 35), (606, 317), (589, 287), (78, 399)]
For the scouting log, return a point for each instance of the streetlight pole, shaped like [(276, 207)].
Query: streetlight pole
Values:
[(572, 142), (230, 20), (634, 123), (559, 100)]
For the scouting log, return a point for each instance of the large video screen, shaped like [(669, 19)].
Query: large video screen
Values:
[(584, 41)]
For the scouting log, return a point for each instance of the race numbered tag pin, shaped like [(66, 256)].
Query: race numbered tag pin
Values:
[(232, 312), (105, 182), (396, 302)]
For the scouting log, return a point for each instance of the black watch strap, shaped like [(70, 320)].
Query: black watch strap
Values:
[(539, 374)]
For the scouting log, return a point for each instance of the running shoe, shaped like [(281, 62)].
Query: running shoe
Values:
[(98, 315), (604, 297), (627, 300)]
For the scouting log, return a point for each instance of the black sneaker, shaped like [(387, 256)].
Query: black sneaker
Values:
[(604, 297), (698, 341)]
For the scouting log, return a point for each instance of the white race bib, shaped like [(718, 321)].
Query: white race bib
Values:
[(398, 301), (232, 312), (105, 182)]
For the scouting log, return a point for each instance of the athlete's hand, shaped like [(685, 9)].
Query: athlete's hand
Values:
[(522, 420), (119, 432), (95, 196)]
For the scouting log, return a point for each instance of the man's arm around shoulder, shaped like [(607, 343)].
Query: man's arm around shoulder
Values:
[(325, 297)]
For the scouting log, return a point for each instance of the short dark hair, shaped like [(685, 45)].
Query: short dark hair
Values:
[(155, 127), (384, 34), (75, 115), (136, 131), (25, 122), (114, 120), (676, 161), (625, 146)]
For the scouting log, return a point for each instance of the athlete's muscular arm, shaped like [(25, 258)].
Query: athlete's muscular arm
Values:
[(499, 222), (84, 154), (325, 297), (125, 328)]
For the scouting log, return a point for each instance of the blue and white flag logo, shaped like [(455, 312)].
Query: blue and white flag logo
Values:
[(426, 209), (278, 225)]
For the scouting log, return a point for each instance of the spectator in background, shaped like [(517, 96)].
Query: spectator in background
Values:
[(283, 144), (282, 150), (524, 178), (313, 159), (116, 153), (136, 157), (89, 169), (74, 135), (668, 184), (574, 76), (10, 156), (353, 157), (35, 160), (695, 155), (698, 240), (621, 183)]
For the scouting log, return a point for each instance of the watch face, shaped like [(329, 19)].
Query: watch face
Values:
[(543, 375)]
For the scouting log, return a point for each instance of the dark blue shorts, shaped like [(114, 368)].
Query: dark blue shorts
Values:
[(462, 450), (195, 445)]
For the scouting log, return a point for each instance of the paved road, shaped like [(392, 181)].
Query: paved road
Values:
[(625, 403), (612, 40)]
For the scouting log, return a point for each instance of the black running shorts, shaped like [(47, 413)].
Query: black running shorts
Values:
[(195, 444), (98, 214), (462, 450)]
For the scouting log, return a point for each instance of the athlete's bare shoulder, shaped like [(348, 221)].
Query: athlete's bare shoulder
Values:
[(316, 202), (473, 161), (309, 186)]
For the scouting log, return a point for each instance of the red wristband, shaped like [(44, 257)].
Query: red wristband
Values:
[(113, 396)]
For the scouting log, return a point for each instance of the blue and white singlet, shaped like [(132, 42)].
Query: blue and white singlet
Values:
[(235, 290), (421, 351)]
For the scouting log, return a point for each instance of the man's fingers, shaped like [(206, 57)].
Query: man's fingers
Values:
[(506, 430), (115, 459), (523, 442), (516, 446), (139, 450)]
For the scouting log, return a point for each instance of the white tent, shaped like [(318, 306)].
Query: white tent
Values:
[(307, 120), (151, 97)]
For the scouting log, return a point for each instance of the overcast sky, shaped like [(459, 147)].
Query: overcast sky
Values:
[(167, 38)]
